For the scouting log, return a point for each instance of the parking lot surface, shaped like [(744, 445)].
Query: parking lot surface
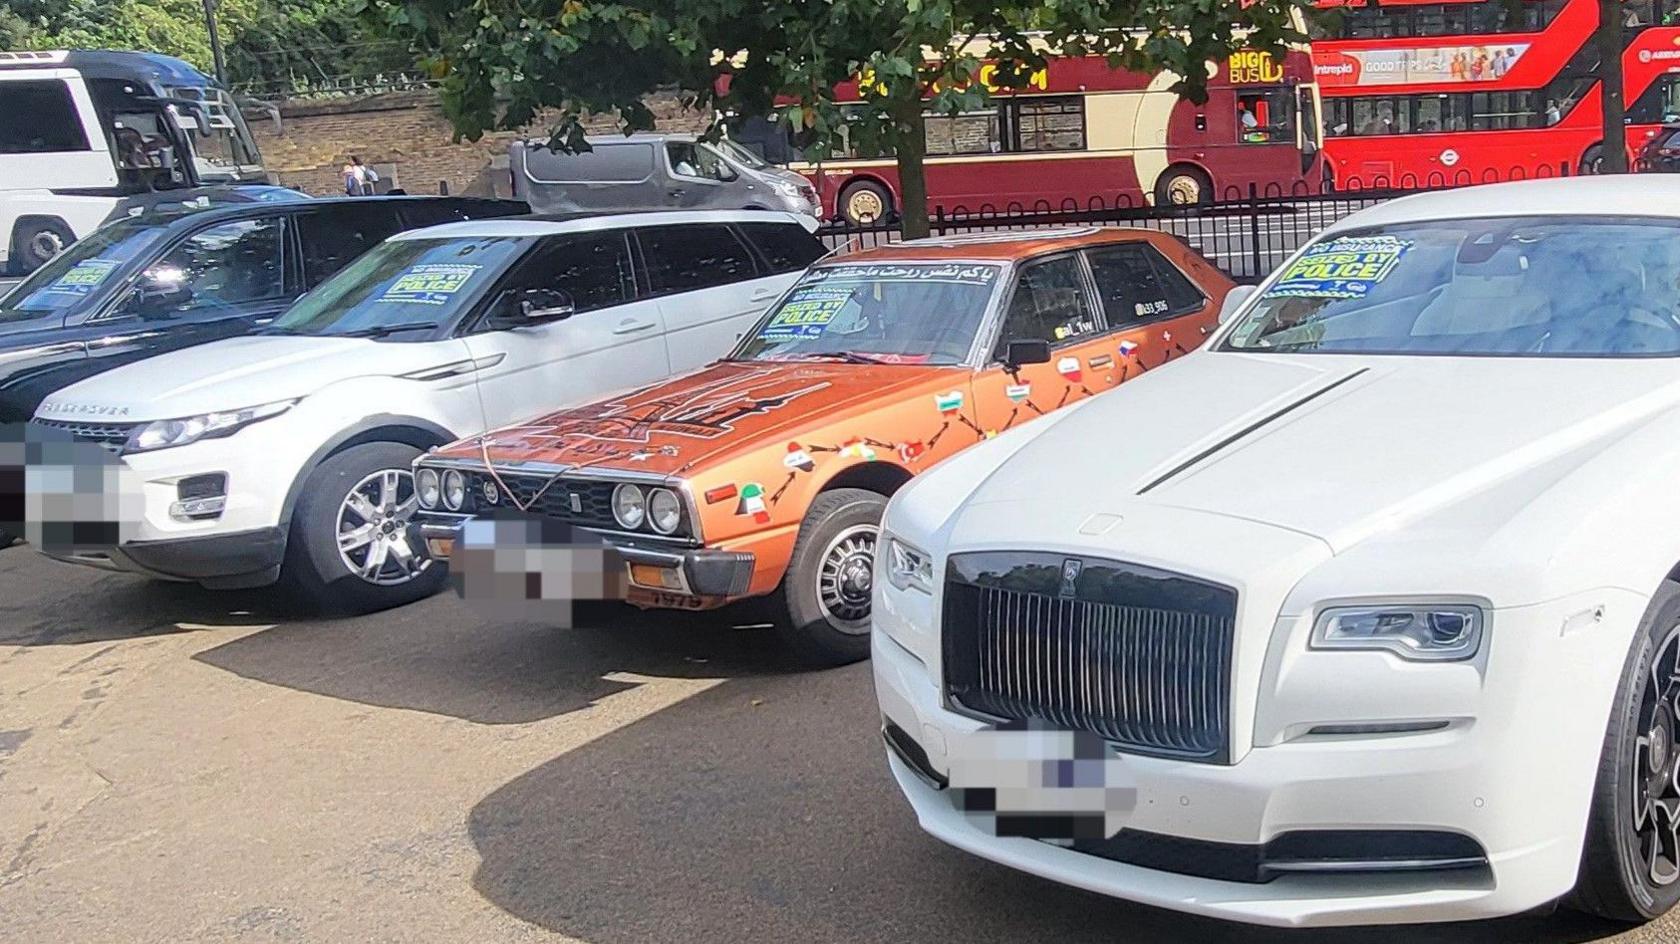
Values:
[(177, 765)]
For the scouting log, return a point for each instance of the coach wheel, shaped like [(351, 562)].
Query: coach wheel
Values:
[(35, 242), (865, 202), (1183, 186), (1592, 162)]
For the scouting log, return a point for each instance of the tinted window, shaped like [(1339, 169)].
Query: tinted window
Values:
[(230, 263), (1136, 283), (1049, 304), (334, 235), (594, 270), (419, 213), (785, 246), (37, 117), (82, 274), (619, 162), (684, 258)]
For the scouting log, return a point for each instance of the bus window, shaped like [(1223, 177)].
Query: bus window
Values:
[(39, 117), (1266, 117), (1660, 103)]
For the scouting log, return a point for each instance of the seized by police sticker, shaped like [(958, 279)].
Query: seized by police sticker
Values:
[(1348, 267), (429, 283), (806, 316)]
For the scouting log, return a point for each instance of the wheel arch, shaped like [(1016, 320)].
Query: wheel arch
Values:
[(1184, 164), (413, 431), (863, 177), (882, 478)]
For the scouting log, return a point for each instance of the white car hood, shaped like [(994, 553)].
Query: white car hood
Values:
[(1333, 447), (235, 373)]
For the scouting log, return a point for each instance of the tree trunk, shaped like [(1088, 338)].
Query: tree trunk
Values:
[(912, 169), (1609, 41)]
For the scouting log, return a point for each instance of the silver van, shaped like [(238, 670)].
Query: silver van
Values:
[(655, 172)]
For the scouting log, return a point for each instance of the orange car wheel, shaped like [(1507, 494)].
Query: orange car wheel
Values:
[(824, 596)]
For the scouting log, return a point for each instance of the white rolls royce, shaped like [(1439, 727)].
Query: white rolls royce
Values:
[(1366, 611)]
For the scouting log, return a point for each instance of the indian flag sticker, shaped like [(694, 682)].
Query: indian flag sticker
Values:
[(752, 503), (798, 459), (1069, 367), (1128, 348), (948, 403), (1018, 392)]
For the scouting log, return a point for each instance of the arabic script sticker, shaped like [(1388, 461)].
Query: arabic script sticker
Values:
[(1449, 157)]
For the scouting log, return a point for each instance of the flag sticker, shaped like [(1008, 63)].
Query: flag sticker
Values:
[(1018, 392), (910, 452), (797, 459), (1348, 267), (752, 503), (949, 403), (1128, 348), (429, 283), (857, 449), (1069, 367)]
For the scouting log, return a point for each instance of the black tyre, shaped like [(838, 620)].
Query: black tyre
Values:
[(35, 241), (1183, 186), (865, 202), (349, 550), (823, 611), (1592, 162), (1630, 866)]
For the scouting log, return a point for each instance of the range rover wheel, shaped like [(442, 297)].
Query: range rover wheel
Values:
[(349, 549), (825, 595), (1630, 867)]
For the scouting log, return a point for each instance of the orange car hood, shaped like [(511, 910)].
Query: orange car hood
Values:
[(673, 426)]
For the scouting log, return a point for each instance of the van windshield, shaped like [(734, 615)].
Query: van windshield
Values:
[(81, 275), (887, 313), (1576, 286), (402, 286)]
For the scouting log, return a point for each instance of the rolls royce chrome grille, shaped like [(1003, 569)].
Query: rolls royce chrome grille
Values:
[(1138, 656)]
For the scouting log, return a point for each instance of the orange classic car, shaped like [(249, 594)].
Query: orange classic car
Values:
[(765, 473)]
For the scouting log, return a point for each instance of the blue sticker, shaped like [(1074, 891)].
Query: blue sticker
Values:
[(429, 283), (806, 316), (1341, 268)]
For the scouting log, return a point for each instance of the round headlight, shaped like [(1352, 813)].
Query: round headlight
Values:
[(629, 507), (454, 490), (664, 510), (426, 487)]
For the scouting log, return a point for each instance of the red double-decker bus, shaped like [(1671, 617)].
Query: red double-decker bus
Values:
[(1422, 92), (1082, 134)]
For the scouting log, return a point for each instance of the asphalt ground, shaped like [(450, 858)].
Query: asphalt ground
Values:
[(179, 765)]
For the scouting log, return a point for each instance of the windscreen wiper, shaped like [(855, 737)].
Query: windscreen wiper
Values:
[(850, 357), (379, 331)]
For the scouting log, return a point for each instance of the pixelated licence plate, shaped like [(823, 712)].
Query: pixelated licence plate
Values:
[(1041, 783)]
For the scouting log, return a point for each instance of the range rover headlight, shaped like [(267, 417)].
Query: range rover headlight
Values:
[(909, 568), (162, 434), (664, 510), (629, 507), (454, 490), (426, 488), (1428, 632)]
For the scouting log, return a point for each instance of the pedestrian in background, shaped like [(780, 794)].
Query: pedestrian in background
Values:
[(358, 178)]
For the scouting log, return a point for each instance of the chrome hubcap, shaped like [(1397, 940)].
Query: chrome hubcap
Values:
[(1656, 766), (46, 244), (373, 529), (846, 577)]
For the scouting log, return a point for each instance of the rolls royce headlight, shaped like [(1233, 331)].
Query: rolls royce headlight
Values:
[(426, 488), (454, 490), (161, 434), (909, 568), (664, 510), (629, 507), (1429, 632)]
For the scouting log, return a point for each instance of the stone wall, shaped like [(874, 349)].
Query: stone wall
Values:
[(405, 136)]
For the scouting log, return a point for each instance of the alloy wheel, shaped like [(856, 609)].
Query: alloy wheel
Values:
[(1656, 766), (373, 529)]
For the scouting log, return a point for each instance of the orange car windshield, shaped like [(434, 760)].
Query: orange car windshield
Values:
[(889, 313)]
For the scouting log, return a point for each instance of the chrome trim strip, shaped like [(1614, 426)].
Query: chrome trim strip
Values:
[(1319, 866)]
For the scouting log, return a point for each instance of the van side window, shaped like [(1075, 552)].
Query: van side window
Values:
[(40, 117), (1136, 283), (694, 256), (787, 247), (594, 269), (332, 236), (689, 159)]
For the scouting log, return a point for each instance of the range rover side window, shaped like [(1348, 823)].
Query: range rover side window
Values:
[(1050, 304), (332, 236), (229, 264), (593, 269), (694, 256), (1135, 283), (787, 247)]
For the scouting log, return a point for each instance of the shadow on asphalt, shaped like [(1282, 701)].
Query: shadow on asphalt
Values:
[(719, 819)]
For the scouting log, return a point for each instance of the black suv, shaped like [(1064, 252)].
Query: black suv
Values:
[(185, 273)]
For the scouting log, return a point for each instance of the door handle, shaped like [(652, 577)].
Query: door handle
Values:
[(677, 191), (763, 294), (631, 326)]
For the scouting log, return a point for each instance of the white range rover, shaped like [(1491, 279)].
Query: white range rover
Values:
[(1366, 611), (287, 453)]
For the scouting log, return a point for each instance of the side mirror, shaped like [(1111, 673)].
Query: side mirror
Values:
[(539, 305), (1021, 353), (1234, 300), (159, 290)]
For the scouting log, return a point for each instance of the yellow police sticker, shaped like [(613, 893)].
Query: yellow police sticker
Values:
[(1348, 267)]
